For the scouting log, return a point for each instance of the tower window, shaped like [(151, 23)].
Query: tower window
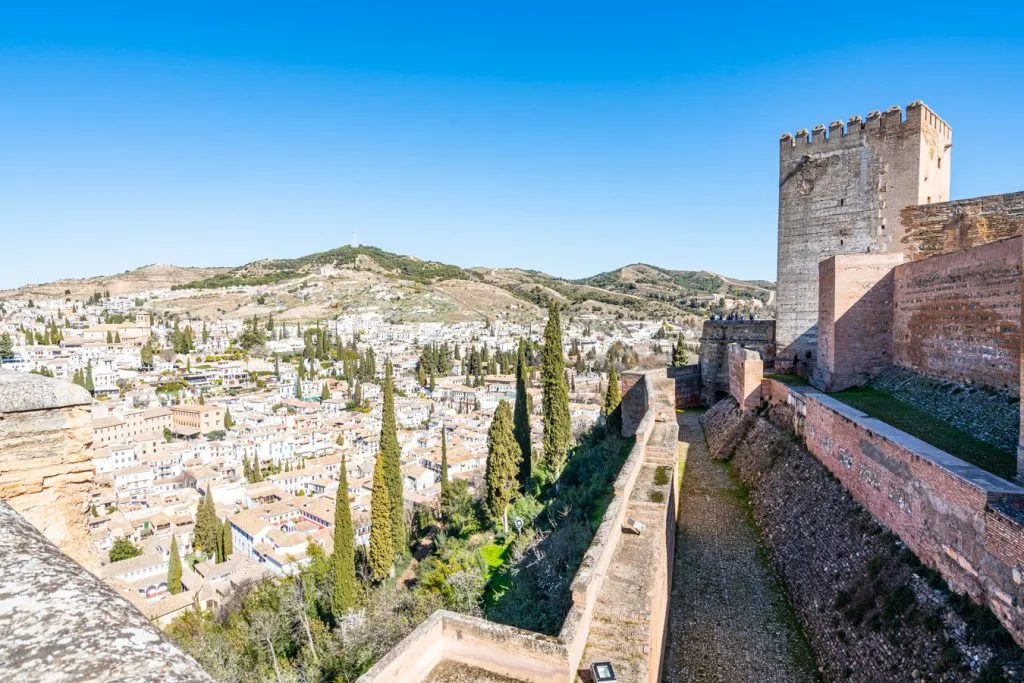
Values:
[(940, 162), (842, 202)]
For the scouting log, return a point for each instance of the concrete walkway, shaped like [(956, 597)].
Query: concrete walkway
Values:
[(729, 620)]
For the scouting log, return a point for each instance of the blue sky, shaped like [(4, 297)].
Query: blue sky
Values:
[(571, 139)]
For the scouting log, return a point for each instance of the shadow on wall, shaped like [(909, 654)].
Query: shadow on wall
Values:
[(857, 345)]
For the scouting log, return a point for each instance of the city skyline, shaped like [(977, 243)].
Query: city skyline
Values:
[(465, 136)]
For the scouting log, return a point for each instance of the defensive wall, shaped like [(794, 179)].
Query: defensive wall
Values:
[(944, 227), (716, 336), (957, 518), (687, 380), (601, 623), (841, 191), (59, 622)]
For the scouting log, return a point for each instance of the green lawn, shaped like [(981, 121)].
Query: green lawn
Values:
[(495, 555), (930, 429), (791, 380)]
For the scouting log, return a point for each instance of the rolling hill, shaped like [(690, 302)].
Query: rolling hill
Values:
[(351, 279)]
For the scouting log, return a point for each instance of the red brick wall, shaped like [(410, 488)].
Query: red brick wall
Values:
[(746, 370), (957, 316), (960, 524), (854, 318)]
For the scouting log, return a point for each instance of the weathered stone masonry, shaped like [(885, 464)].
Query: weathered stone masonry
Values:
[(957, 518), (841, 191), (757, 335)]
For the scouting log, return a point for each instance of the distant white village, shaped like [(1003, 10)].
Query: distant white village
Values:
[(259, 416)]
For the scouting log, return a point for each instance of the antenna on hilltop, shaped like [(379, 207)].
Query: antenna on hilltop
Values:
[(355, 240)]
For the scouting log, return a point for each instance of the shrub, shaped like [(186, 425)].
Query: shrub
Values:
[(661, 475)]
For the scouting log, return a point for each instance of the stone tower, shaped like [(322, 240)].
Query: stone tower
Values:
[(841, 190)]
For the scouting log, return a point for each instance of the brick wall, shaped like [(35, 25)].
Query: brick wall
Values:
[(634, 401), (687, 380), (758, 335), (957, 316), (854, 319), (945, 227), (746, 370), (956, 518)]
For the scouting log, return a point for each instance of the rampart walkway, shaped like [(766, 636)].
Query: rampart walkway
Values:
[(729, 620)]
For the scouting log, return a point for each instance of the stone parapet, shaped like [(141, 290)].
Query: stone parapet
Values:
[(61, 623), (45, 466)]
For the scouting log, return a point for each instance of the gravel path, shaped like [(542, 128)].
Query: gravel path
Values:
[(729, 620)]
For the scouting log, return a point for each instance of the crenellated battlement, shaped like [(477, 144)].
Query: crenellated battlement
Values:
[(917, 116)]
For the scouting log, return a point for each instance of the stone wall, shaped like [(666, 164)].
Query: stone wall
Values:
[(45, 467), (841, 191), (944, 227), (717, 335), (855, 296), (746, 370), (869, 609), (957, 316), (955, 517), (687, 379), (648, 411), (60, 623)]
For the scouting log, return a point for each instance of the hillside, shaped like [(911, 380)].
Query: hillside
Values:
[(358, 279), (144, 279)]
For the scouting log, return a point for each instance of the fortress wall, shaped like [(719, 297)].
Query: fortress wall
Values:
[(841, 190), (687, 380), (758, 335), (955, 517), (957, 316), (45, 465), (746, 370), (941, 228), (855, 294)]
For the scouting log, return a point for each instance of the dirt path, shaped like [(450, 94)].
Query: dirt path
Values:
[(729, 620)]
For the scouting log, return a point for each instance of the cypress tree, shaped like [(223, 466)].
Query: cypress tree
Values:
[(174, 567), (380, 554), (522, 417), (344, 558), (117, 337), (392, 467), (229, 421), (325, 393), (557, 423), (228, 544), (298, 384), (679, 357), (257, 475), (446, 486), (219, 532), (612, 400), (88, 378), (110, 337), (503, 456)]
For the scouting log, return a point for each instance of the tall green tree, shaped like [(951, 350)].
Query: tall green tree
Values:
[(228, 545), (325, 393), (390, 452), (522, 416), (219, 533), (557, 422), (298, 384), (207, 528), (503, 456), (612, 400), (174, 567), (446, 485), (6, 346), (679, 357), (229, 421), (380, 555), (343, 597), (88, 378)]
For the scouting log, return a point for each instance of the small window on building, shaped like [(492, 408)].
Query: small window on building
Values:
[(929, 200), (842, 202), (940, 162)]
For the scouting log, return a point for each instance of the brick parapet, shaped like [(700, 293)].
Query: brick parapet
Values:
[(955, 517), (746, 371)]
